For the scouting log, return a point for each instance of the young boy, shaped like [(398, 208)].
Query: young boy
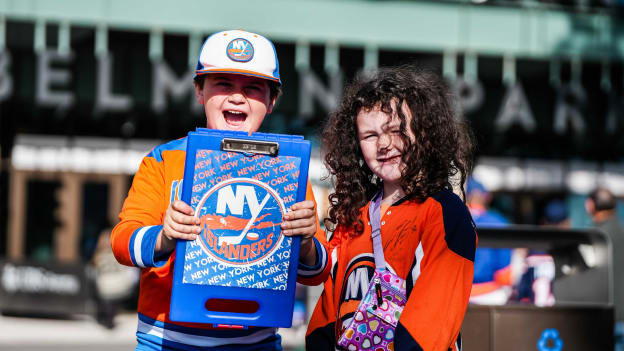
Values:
[(237, 81)]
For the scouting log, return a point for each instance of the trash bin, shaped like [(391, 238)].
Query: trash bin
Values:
[(582, 317)]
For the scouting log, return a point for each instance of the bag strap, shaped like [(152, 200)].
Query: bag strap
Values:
[(373, 214)]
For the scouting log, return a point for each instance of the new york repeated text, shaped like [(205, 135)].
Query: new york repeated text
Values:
[(279, 173)]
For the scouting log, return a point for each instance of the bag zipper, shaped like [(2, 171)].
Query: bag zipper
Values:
[(392, 288), (378, 292)]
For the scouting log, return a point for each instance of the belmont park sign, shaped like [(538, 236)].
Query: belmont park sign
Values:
[(53, 79)]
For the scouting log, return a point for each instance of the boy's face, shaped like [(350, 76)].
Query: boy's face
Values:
[(234, 102)]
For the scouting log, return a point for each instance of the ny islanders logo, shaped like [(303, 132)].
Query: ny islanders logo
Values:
[(240, 50), (240, 220)]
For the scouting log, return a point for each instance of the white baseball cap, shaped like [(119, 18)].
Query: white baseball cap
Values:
[(239, 52)]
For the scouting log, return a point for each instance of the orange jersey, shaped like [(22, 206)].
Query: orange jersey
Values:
[(431, 244), (157, 183)]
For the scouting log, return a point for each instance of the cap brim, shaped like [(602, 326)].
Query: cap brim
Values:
[(237, 71)]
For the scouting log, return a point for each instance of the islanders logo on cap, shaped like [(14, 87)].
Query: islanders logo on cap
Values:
[(240, 220), (240, 50)]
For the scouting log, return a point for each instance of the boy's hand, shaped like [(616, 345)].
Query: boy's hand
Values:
[(178, 223), (301, 220)]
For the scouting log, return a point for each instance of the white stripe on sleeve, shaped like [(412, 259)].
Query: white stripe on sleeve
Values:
[(137, 245)]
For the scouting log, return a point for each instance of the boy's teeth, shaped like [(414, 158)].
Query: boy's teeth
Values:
[(234, 117)]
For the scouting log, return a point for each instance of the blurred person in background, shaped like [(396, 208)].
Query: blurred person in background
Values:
[(114, 284), (538, 267), (601, 206), (556, 214), (492, 282)]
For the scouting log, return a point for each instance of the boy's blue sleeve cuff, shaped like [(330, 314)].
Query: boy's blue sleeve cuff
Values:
[(321, 261), (142, 244)]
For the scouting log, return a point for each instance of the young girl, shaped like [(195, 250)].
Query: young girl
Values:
[(396, 134)]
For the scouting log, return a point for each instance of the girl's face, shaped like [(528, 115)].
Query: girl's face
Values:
[(381, 144)]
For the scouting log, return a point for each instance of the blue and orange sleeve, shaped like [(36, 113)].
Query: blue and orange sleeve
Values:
[(315, 275), (134, 237)]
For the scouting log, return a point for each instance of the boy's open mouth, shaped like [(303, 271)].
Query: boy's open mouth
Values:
[(235, 118)]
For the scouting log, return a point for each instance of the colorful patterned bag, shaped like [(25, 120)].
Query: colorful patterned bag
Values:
[(375, 320)]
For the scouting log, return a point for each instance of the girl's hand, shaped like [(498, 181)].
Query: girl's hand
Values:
[(178, 223), (301, 220)]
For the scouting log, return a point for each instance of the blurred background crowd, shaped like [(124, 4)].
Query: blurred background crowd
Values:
[(88, 88)]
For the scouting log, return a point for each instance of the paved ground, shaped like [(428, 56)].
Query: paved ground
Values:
[(82, 333), (78, 333)]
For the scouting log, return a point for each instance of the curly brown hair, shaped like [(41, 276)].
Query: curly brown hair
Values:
[(440, 151)]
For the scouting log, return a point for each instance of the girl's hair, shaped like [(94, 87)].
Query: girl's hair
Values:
[(439, 155)]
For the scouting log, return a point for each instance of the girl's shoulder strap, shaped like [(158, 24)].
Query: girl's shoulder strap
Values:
[(373, 213)]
